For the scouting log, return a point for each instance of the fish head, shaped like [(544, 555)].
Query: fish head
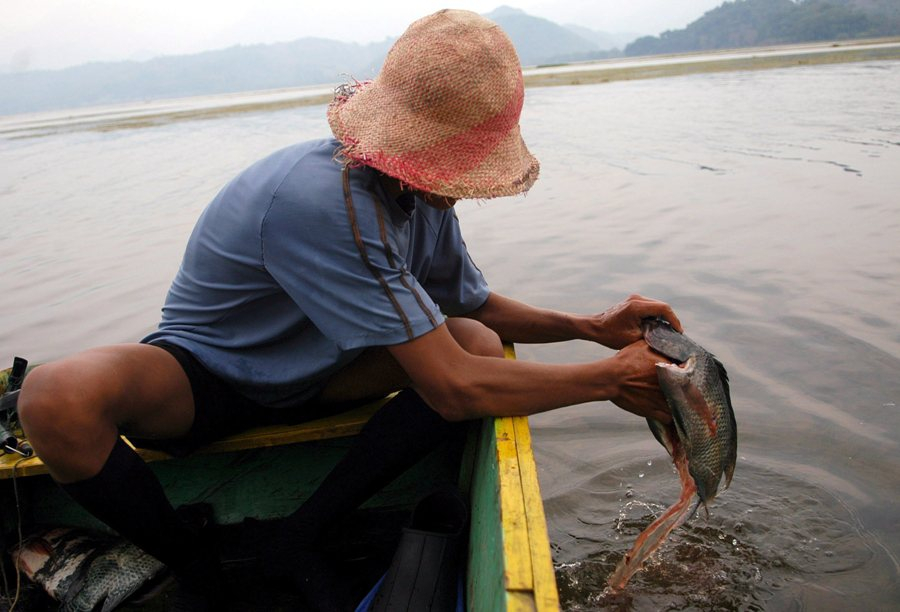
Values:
[(674, 376), (663, 338)]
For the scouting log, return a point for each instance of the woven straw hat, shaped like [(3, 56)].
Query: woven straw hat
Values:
[(443, 114)]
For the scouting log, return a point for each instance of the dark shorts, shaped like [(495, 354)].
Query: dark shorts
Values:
[(220, 411)]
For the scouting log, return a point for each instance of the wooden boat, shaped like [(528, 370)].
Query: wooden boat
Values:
[(266, 472)]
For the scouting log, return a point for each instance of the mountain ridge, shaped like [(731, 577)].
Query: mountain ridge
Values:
[(316, 61)]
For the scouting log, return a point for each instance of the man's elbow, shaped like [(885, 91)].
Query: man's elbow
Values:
[(458, 403)]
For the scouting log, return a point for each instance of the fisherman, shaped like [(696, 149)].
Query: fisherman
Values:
[(330, 272)]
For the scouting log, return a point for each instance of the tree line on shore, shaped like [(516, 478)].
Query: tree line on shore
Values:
[(754, 23)]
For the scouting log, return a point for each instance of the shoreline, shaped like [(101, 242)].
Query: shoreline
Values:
[(722, 60), (160, 112)]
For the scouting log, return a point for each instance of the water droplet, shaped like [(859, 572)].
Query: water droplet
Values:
[(641, 475), (733, 542), (629, 493), (650, 462)]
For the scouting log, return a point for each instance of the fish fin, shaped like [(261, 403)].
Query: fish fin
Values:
[(723, 373), (731, 458), (729, 472), (697, 507), (662, 433), (681, 428)]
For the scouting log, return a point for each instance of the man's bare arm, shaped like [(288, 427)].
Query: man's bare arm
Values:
[(615, 327), (460, 386)]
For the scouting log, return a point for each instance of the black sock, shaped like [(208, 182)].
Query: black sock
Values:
[(127, 496), (400, 434)]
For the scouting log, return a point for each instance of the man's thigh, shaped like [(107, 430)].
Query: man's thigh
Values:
[(138, 387)]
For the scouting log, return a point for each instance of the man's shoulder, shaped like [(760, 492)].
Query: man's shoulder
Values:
[(319, 152), (433, 219)]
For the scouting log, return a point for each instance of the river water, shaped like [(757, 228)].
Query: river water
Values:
[(762, 205)]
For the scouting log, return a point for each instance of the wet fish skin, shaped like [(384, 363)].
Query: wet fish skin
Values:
[(85, 571), (113, 577), (698, 394)]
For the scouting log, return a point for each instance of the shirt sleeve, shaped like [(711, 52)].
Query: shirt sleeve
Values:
[(454, 281), (338, 259)]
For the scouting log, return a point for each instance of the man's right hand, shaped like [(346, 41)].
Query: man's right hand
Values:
[(638, 385)]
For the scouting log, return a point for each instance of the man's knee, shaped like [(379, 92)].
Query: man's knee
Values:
[(49, 403), (475, 337)]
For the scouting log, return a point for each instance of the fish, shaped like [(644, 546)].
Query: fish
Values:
[(697, 391), (702, 438), (83, 569)]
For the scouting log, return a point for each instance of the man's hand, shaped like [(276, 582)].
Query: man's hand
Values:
[(638, 386), (619, 326)]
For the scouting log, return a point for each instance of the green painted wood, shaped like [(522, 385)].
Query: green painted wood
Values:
[(262, 483), (485, 584)]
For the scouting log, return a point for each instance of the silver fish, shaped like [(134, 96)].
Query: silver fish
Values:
[(85, 570)]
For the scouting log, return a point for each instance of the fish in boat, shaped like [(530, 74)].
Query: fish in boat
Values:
[(85, 570)]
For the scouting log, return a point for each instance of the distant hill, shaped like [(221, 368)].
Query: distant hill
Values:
[(604, 41), (307, 61), (750, 23), (540, 41)]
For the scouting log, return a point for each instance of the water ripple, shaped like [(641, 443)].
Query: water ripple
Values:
[(767, 543)]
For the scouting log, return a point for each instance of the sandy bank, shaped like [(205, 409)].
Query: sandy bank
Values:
[(760, 58)]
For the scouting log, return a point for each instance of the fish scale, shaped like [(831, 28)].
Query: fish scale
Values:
[(84, 570)]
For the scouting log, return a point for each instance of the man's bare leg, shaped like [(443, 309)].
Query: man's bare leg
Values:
[(73, 411)]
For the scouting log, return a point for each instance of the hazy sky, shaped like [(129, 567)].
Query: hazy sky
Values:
[(46, 34)]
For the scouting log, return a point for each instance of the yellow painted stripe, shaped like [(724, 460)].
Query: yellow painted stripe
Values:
[(340, 425), (545, 592), (516, 546), (517, 601), (530, 579)]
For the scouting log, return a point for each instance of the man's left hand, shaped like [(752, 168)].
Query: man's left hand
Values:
[(619, 326)]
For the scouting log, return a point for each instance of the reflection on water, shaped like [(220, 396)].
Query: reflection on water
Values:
[(762, 205)]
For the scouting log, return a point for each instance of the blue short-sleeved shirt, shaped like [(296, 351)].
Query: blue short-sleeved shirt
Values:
[(285, 280)]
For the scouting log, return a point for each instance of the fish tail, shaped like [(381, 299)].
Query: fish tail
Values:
[(699, 503)]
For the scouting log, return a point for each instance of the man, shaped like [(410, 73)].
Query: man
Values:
[(324, 274)]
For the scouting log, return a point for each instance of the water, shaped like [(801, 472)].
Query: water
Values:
[(762, 205)]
